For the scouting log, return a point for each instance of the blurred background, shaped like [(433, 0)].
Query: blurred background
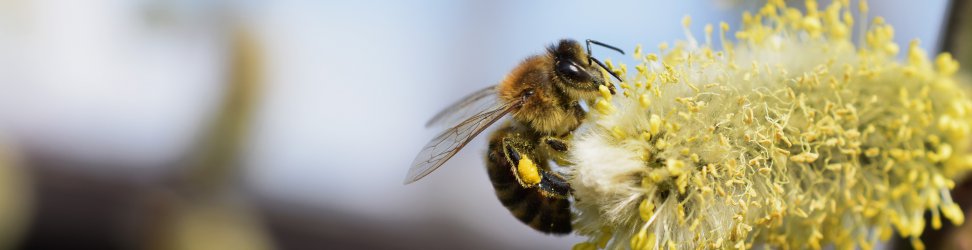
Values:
[(218, 124)]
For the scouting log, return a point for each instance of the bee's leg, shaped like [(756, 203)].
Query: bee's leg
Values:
[(557, 149), (518, 163), (530, 175), (555, 143), (554, 185)]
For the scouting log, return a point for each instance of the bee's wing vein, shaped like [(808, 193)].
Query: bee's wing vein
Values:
[(445, 145), (477, 101)]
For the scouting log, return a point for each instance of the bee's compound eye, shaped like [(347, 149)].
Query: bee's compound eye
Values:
[(570, 70)]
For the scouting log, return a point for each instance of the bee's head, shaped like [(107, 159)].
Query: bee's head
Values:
[(577, 72)]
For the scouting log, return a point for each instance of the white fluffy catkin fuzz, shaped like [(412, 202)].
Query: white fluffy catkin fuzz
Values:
[(790, 137)]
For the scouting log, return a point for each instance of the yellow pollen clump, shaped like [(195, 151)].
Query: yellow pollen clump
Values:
[(528, 171), (791, 136)]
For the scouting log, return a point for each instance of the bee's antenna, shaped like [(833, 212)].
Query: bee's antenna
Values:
[(604, 67), (591, 58), (589, 42)]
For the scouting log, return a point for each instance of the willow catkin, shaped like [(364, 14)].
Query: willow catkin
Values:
[(791, 136)]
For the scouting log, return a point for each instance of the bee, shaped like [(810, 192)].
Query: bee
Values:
[(543, 94)]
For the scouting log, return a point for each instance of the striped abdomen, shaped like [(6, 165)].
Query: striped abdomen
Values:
[(544, 213)]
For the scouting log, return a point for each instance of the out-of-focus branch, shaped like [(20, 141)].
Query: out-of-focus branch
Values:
[(206, 210), (15, 198), (957, 35), (215, 164)]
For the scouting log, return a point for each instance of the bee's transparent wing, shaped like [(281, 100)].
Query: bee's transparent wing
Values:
[(465, 107), (449, 142)]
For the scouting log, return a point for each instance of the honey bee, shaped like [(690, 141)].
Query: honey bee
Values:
[(543, 94)]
